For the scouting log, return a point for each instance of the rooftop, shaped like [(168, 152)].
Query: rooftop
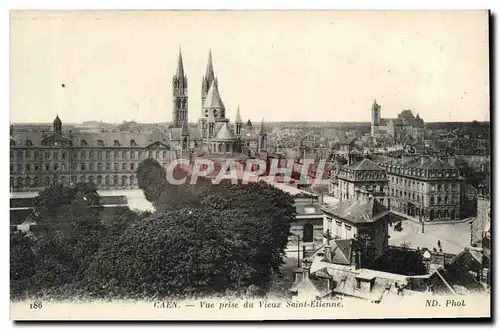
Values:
[(365, 165), (362, 210)]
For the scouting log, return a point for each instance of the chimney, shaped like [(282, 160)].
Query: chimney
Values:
[(357, 193), (328, 253)]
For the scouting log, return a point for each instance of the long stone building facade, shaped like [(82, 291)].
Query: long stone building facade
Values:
[(39, 158)]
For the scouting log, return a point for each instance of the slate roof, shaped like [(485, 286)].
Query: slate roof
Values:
[(394, 121), (248, 135), (93, 139), (213, 99), (429, 164), (365, 165), (358, 211), (340, 251), (176, 134), (406, 114), (225, 134), (116, 139)]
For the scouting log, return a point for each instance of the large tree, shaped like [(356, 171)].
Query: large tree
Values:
[(151, 178), (217, 239), (202, 240)]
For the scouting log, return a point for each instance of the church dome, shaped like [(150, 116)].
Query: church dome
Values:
[(225, 134)]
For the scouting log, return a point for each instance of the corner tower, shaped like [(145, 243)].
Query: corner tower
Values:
[(180, 95)]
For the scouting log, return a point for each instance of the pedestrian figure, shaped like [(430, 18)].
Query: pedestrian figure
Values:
[(439, 243)]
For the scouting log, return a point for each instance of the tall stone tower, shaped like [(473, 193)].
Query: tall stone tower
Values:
[(180, 95), (262, 138), (375, 121)]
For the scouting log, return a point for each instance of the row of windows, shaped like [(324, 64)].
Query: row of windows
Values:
[(77, 167), (83, 143), (420, 186), (91, 155), (420, 198), (100, 180), (422, 172), (433, 214)]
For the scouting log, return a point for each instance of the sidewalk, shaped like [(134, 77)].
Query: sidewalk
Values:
[(442, 222)]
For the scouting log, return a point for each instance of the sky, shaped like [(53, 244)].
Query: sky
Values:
[(280, 66)]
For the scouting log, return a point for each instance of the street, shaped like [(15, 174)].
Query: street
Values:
[(454, 237)]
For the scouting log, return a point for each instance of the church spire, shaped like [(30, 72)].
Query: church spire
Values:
[(180, 65), (180, 94), (208, 79), (238, 116), (209, 74)]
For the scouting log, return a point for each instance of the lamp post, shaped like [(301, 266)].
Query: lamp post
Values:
[(298, 249), (471, 233)]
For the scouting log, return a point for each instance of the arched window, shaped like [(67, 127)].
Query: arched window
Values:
[(115, 180), (99, 180), (106, 180), (453, 215), (178, 103), (308, 233), (431, 215), (124, 180), (439, 214), (132, 180)]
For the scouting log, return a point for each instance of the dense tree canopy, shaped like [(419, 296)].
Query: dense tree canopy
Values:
[(201, 240)]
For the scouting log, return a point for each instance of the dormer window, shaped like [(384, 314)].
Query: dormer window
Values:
[(116, 143), (132, 143), (29, 143), (83, 143), (100, 143)]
